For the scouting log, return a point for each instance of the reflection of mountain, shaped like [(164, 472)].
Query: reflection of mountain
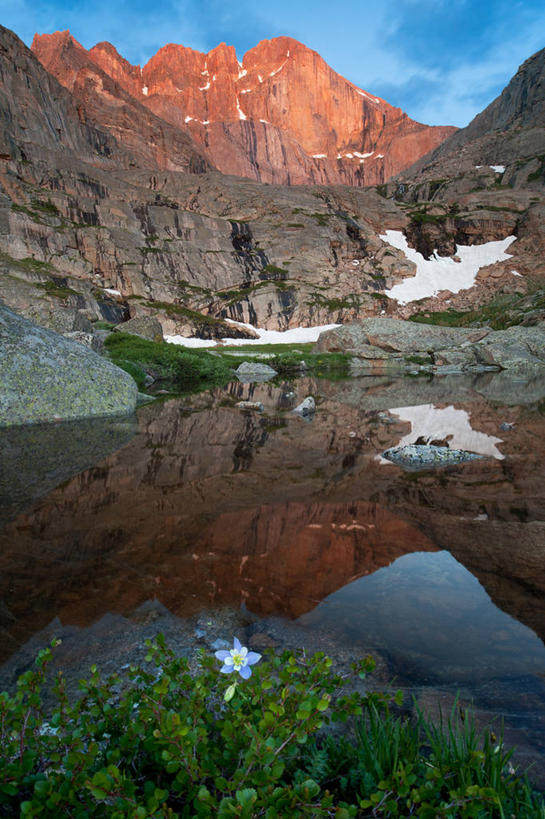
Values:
[(219, 507)]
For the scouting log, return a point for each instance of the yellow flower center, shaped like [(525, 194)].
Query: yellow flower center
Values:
[(238, 660)]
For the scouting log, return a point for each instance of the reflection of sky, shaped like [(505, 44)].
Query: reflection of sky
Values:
[(431, 423), (433, 619)]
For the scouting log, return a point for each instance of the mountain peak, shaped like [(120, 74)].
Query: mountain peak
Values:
[(281, 115)]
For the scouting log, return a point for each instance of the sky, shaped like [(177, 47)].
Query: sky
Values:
[(441, 61)]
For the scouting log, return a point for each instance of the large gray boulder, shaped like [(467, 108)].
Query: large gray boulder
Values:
[(147, 327), (384, 344), (46, 377), (250, 371)]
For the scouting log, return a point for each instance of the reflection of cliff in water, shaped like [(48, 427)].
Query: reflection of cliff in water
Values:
[(219, 507)]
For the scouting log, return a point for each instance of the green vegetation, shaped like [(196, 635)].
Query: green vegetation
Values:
[(184, 369), (275, 271), (178, 310), (419, 359), (421, 217), (162, 743), (61, 291), (505, 310), (333, 304), (321, 218), (45, 207)]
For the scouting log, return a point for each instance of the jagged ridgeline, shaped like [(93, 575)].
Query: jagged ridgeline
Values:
[(113, 205)]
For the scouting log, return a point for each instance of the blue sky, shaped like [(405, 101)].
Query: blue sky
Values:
[(442, 61)]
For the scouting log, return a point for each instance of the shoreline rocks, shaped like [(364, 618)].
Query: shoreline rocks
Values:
[(46, 377), (392, 345)]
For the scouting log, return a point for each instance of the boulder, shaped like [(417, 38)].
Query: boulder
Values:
[(424, 456), (253, 371), (306, 407), (147, 327), (46, 377)]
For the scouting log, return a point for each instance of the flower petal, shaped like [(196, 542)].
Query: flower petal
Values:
[(226, 669), (229, 660), (236, 644), (253, 657), (222, 655), (243, 651), (245, 672)]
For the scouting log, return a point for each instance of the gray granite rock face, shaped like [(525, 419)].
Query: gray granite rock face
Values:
[(46, 377)]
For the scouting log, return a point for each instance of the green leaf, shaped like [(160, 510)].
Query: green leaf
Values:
[(230, 692)]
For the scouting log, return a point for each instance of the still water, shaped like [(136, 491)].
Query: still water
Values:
[(295, 527)]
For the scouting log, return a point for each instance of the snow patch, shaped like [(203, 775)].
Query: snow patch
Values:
[(432, 424), (145, 90), (205, 87), (205, 73), (349, 156), (111, 291), (442, 272), (498, 168), (297, 335), (516, 273), (245, 90), (319, 156), (188, 118), (379, 156), (260, 78), (273, 73), (363, 156), (241, 114), (242, 73)]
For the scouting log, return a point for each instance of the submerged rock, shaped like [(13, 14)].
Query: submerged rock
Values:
[(253, 371), (423, 456), (46, 377)]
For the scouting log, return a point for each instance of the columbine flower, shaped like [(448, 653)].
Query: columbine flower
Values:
[(238, 659)]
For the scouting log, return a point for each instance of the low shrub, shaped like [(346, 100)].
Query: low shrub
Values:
[(183, 368), (162, 742)]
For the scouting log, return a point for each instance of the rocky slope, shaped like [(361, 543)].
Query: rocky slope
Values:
[(282, 115), (92, 222)]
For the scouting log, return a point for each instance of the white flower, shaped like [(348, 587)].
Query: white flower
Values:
[(238, 659)]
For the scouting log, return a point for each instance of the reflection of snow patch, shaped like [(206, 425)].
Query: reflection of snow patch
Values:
[(442, 272), (205, 87), (515, 273), (433, 424), (319, 156), (498, 168), (297, 335), (188, 118)]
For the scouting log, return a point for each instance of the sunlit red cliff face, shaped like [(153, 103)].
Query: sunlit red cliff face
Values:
[(282, 115)]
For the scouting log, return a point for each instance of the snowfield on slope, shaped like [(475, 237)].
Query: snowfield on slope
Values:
[(297, 335), (443, 272)]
